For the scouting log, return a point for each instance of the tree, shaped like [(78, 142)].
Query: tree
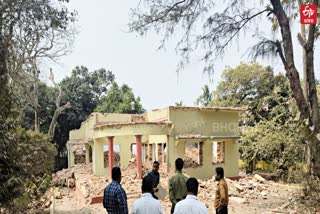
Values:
[(180, 103), (119, 100), (220, 29), (33, 31), (254, 86), (205, 97), (272, 142), (28, 32), (83, 90), (59, 108)]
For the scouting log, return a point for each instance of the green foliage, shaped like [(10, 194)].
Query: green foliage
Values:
[(11, 183), (86, 91), (206, 96), (243, 85), (83, 90), (35, 151), (29, 156), (266, 95), (47, 96), (269, 132), (118, 100), (280, 144), (180, 103)]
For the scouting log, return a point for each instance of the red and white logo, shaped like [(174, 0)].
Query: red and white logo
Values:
[(308, 14)]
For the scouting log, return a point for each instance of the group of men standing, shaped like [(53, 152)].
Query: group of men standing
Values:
[(182, 193)]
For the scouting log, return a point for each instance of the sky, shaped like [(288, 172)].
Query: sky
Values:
[(103, 41)]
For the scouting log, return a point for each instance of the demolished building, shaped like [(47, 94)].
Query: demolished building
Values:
[(210, 134)]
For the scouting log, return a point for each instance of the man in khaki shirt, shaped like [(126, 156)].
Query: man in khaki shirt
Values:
[(221, 197), (177, 185)]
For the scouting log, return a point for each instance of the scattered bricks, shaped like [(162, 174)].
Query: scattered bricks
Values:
[(96, 200)]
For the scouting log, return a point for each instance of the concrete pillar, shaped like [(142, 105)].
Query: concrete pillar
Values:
[(98, 157), (159, 152), (150, 152), (87, 153), (70, 155), (110, 155), (168, 156), (139, 155)]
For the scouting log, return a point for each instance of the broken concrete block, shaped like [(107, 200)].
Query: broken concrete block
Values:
[(259, 178), (71, 183), (58, 195), (237, 200), (234, 193), (263, 193), (47, 204), (238, 187)]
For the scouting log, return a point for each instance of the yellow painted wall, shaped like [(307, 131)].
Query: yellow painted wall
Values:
[(157, 139), (204, 122), (112, 117), (157, 115)]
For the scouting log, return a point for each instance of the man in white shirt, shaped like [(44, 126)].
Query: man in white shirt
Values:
[(191, 204), (147, 204)]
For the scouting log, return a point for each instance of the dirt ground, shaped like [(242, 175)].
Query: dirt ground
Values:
[(273, 203), (247, 196)]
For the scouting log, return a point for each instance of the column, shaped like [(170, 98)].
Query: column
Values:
[(87, 153), (97, 157), (139, 155), (150, 152), (110, 155)]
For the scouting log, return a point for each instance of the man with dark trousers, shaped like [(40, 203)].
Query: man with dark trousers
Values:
[(221, 199), (155, 177), (177, 185)]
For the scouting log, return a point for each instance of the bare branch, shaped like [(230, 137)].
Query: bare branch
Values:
[(59, 109)]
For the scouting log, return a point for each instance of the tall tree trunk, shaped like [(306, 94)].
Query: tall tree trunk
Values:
[(304, 63), (313, 100), (36, 100), (288, 60), (312, 115), (305, 85), (304, 58), (4, 88)]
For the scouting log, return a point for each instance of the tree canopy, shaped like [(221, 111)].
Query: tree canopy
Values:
[(119, 100), (256, 87)]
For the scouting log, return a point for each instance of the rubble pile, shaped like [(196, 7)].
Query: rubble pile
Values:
[(246, 192), (241, 191), (79, 155), (191, 157), (116, 158)]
